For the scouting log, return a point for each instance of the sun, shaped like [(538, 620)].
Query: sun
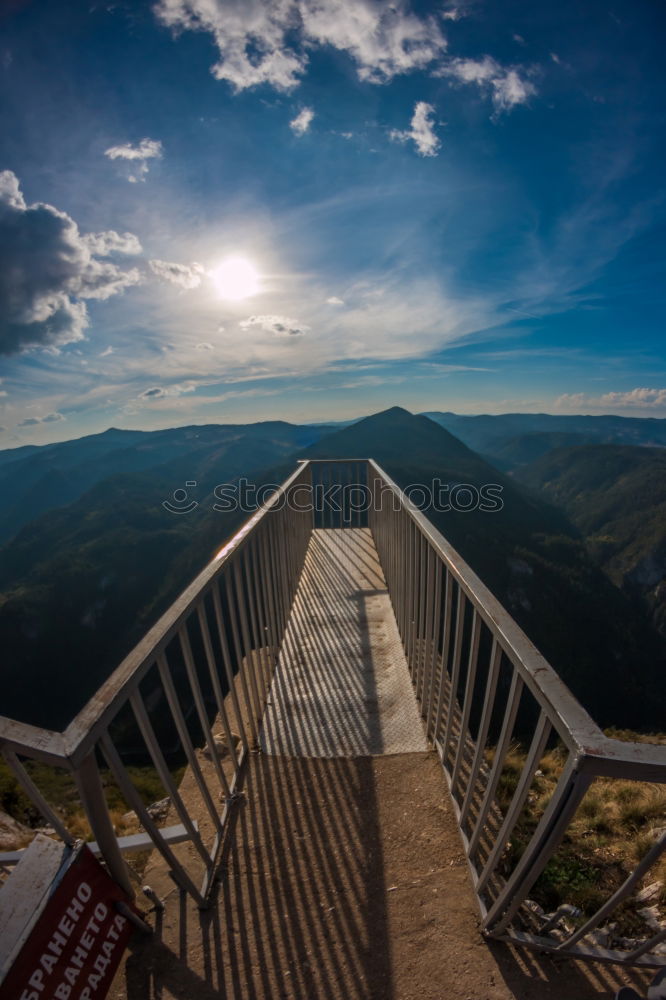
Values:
[(235, 278)]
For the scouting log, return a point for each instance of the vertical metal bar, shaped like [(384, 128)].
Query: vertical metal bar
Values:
[(455, 673), (446, 646), (185, 739), (484, 725), (135, 802), (537, 747), (424, 555), (429, 631), (510, 713), (247, 663), (238, 649), (437, 631), (413, 596), (545, 840), (200, 706), (148, 733), (35, 796), (226, 660), (89, 784), (470, 680), (215, 681), (257, 629)]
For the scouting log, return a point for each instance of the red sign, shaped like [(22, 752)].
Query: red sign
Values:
[(74, 948)]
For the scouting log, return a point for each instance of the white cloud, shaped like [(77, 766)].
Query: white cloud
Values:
[(279, 326), (267, 43), (510, 90), (421, 130), (104, 244), (301, 123), (138, 156), (642, 399), (334, 301), (205, 346), (506, 86), (106, 352), (185, 275), (50, 418), (47, 271)]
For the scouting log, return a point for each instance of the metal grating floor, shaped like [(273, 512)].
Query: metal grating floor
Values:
[(342, 686)]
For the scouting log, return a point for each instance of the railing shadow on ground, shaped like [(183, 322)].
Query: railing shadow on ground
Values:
[(302, 911)]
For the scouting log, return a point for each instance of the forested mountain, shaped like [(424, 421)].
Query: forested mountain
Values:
[(510, 440), (35, 480), (616, 496), (533, 559), (80, 584)]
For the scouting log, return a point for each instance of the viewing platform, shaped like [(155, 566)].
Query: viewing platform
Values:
[(346, 695)]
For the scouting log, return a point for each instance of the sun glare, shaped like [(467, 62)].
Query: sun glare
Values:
[(235, 278)]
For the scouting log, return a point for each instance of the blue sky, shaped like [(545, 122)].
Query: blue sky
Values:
[(233, 210)]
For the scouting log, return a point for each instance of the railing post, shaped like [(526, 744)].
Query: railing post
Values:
[(89, 783)]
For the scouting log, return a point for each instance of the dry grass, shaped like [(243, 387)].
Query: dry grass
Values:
[(615, 825)]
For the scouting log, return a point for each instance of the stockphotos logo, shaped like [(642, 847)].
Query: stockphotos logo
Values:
[(339, 498)]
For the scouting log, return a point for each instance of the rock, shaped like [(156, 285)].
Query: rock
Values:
[(221, 744), (601, 938), (649, 892), (12, 833), (650, 915), (128, 817), (158, 810)]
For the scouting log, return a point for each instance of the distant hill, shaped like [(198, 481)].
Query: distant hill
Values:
[(513, 439), (617, 498), (37, 479), (532, 558)]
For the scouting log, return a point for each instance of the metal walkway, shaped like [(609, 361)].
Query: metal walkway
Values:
[(342, 685)]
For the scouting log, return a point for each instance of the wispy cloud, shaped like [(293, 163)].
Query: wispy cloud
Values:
[(279, 326), (421, 130), (301, 123), (138, 156), (185, 275), (632, 400), (508, 87)]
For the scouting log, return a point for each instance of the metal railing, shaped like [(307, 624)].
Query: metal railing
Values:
[(210, 656), (478, 680)]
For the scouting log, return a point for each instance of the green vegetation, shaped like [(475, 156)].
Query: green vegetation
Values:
[(615, 825), (59, 789), (616, 496)]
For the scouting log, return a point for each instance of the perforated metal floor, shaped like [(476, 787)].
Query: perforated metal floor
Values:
[(342, 687)]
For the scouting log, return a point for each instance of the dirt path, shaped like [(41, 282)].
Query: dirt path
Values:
[(344, 880)]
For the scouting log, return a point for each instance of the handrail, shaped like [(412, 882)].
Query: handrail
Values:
[(84, 729), (459, 640), (218, 643)]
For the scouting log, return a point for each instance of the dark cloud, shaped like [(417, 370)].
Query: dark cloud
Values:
[(48, 270), (50, 418)]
